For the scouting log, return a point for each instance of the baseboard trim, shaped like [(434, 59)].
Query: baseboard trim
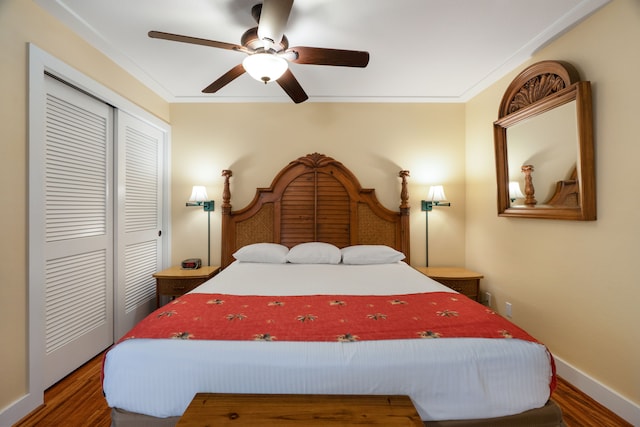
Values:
[(19, 409), (602, 394)]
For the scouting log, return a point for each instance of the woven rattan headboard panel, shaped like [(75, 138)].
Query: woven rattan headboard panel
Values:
[(314, 198)]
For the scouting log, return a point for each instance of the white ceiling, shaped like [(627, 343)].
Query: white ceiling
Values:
[(421, 50)]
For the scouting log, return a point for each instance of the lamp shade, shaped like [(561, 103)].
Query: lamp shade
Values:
[(436, 194), (265, 67), (198, 194), (514, 190)]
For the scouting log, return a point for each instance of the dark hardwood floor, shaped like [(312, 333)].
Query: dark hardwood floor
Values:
[(579, 410), (77, 401)]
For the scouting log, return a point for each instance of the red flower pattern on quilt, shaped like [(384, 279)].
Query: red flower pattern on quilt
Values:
[(343, 318)]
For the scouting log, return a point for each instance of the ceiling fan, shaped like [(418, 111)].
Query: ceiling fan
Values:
[(269, 53)]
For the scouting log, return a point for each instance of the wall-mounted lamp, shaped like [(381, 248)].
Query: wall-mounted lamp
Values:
[(199, 198), (514, 191), (435, 197)]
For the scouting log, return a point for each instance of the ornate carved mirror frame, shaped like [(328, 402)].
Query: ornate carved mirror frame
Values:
[(538, 89)]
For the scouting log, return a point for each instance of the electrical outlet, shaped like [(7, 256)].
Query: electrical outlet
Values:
[(507, 308), (487, 299)]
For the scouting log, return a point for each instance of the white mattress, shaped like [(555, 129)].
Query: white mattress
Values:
[(460, 378)]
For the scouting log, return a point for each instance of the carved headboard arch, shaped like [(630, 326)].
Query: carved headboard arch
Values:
[(314, 198)]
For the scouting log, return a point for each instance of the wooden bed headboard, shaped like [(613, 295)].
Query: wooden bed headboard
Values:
[(314, 198)]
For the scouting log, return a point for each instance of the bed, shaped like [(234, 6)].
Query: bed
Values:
[(311, 253)]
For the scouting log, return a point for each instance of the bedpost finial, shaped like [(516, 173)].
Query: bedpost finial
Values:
[(404, 193), (226, 192)]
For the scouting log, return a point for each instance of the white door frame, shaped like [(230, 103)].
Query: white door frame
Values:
[(39, 63)]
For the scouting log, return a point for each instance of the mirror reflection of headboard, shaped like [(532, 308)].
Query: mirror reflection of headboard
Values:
[(537, 91), (548, 142)]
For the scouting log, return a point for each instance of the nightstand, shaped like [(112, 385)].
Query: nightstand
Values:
[(175, 281), (459, 279)]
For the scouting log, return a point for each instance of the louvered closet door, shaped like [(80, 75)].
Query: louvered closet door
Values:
[(139, 219), (76, 227)]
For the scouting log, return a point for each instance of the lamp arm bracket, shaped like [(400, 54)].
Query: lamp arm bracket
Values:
[(427, 205), (208, 206)]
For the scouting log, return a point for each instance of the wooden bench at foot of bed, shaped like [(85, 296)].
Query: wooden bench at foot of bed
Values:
[(222, 409), (549, 415)]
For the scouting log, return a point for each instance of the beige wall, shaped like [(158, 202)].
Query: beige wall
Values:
[(572, 284), (22, 22), (375, 141)]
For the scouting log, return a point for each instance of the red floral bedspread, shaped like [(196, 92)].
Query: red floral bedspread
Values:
[(343, 318), (324, 318)]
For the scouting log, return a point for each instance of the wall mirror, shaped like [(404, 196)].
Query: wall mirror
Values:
[(544, 147)]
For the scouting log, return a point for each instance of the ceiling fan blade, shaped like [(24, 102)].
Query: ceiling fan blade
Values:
[(194, 40), (273, 19), (256, 10), (225, 79), (322, 56), (291, 86)]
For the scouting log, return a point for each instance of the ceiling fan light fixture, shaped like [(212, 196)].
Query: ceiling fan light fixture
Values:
[(265, 67)]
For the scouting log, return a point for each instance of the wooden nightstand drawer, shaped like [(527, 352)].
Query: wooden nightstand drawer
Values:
[(466, 287), (459, 279), (177, 287), (175, 281)]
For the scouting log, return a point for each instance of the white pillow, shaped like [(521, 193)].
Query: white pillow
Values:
[(272, 253), (314, 253), (370, 254)]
